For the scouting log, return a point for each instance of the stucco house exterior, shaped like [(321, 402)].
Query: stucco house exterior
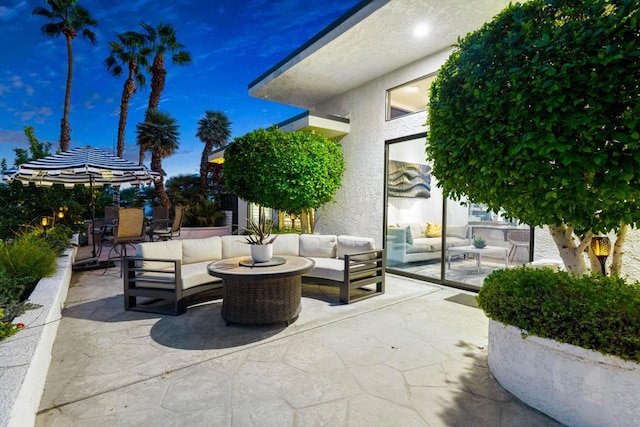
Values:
[(364, 81)]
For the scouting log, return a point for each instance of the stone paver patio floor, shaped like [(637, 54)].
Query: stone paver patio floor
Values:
[(405, 358)]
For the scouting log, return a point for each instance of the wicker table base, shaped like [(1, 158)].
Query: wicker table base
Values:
[(261, 295), (257, 302)]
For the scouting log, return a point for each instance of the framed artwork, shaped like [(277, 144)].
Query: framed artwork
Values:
[(409, 180)]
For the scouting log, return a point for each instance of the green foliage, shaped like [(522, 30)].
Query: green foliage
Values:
[(13, 289), (28, 255), (537, 112), (184, 190), (203, 213), (7, 329), (58, 238), (595, 312), (290, 172)]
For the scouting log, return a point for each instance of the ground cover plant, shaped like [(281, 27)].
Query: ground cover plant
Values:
[(25, 260), (591, 311), (538, 112)]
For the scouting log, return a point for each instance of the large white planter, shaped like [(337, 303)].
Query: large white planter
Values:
[(577, 387), (25, 357)]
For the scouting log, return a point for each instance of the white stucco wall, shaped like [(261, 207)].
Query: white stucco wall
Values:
[(360, 201)]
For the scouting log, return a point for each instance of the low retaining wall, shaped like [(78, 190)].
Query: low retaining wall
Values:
[(25, 357), (577, 387)]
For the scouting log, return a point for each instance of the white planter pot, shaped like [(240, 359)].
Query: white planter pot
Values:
[(261, 253), (577, 387)]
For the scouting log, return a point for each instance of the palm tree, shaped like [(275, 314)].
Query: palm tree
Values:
[(131, 52), (159, 133), (161, 41), (68, 19), (214, 131)]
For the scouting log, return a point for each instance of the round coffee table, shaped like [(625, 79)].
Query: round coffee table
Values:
[(257, 293)]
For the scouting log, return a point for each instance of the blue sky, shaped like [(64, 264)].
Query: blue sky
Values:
[(231, 42)]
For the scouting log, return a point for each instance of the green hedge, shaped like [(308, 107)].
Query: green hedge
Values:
[(595, 312)]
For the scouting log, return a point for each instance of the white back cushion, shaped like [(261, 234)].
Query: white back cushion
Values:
[(318, 245), (353, 244), (170, 249), (235, 246), (197, 250), (457, 231), (287, 244)]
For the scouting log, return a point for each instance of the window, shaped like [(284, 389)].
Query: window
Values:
[(409, 98)]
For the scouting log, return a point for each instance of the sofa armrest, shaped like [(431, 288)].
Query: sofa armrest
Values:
[(397, 236), (164, 278), (360, 272)]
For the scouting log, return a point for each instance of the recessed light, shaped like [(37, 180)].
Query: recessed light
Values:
[(420, 31)]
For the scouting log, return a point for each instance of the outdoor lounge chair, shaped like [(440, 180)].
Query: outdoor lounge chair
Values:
[(129, 229), (167, 230)]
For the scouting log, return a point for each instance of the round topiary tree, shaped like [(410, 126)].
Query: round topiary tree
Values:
[(538, 112), (292, 172)]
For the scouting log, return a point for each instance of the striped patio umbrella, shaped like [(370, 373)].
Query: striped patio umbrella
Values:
[(88, 166)]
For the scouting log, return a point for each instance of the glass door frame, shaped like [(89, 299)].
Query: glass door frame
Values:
[(442, 280)]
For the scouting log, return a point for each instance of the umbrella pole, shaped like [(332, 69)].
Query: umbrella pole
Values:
[(93, 216)]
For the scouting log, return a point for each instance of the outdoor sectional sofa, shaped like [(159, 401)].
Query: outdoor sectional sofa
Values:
[(168, 274), (408, 242)]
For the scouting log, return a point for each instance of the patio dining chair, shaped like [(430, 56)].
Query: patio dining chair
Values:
[(517, 239), (168, 230), (129, 229)]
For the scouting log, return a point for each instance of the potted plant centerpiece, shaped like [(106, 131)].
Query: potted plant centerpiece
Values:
[(260, 239), (479, 242)]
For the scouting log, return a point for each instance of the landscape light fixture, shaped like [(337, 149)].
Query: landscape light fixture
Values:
[(601, 247), (45, 222)]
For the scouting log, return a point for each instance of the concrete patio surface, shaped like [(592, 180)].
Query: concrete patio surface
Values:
[(406, 358)]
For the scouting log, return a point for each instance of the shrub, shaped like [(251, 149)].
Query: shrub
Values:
[(28, 255), (594, 312)]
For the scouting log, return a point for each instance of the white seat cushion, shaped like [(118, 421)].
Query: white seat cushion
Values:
[(318, 245), (197, 250), (328, 268), (196, 274)]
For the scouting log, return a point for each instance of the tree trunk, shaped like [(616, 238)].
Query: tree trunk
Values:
[(158, 75), (128, 90), (65, 129), (570, 252), (156, 165), (204, 167), (616, 259)]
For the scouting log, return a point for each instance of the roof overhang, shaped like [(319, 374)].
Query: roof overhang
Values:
[(371, 40), (332, 127)]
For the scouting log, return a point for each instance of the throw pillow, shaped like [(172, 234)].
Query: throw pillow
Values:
[(409, 237), (434, 230)]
